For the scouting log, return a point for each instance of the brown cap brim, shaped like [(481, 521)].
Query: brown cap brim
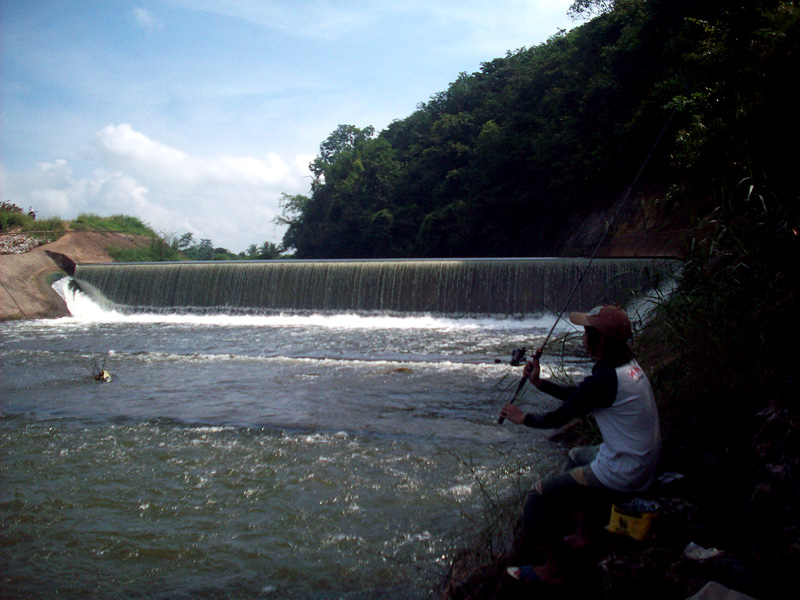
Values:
[(579, 318)]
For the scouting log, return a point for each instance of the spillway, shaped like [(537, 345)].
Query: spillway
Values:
[(513, 286)]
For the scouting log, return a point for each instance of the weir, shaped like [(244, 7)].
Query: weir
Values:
[(463, 287)]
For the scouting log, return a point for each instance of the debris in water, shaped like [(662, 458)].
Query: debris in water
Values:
[(103, 375), (98, 371)]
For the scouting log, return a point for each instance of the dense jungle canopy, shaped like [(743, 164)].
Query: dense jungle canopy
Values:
[(508, 158)]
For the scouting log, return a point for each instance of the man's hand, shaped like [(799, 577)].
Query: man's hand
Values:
[(531, 371), (513, 414)]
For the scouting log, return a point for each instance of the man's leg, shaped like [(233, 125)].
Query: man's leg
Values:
[(583, 457), (549, 505)]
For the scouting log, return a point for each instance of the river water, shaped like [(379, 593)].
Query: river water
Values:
[(283, 456)]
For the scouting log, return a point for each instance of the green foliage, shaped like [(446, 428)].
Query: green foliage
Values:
[(506, 158), (267, 251), (12, 220), (183, 247), (159, 249), (728, 324), (13, 217), (115, 223), (353, 179), (52, 224), (171, 247), (582, 9)]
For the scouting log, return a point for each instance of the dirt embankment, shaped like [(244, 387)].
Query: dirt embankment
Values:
[(25, 279), (640, 227)]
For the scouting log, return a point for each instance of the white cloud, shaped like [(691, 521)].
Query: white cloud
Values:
[(230, 199), (129, 149), (53, 189), (145, 19)]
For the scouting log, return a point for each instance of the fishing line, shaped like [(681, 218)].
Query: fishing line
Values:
[(585, 269)]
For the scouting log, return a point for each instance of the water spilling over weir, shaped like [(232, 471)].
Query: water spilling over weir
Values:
[(515, 287)]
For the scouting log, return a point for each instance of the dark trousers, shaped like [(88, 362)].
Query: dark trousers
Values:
[(551, 502)]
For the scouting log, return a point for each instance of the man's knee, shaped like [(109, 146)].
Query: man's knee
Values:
[(581, 456)]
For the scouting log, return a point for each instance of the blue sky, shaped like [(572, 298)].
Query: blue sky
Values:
[(195, 115)]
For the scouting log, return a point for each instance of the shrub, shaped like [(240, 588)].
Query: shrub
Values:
[(725, 327), (158, 250), (11, 218), (115, 223)]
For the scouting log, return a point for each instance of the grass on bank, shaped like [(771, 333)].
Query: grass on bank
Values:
[(147, 246), (14, 219), (159, 248), (114, 223)]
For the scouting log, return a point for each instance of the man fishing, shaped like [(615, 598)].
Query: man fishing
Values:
[(619, 396)]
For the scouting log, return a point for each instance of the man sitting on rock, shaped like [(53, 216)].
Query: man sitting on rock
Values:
[(620, 398)]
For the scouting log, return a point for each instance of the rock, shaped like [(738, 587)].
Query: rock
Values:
[(696, 552), (18, 243)]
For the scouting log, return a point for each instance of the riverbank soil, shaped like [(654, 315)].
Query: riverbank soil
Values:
[(641, 228), (25, 278)]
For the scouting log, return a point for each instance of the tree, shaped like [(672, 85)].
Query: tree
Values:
[(205, 250), (586, 9), (342, 138), (508, 158), (268, 251), (184, 241), (295, 212)]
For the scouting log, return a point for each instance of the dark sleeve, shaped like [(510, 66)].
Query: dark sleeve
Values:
[(598, 390), (562, 392)]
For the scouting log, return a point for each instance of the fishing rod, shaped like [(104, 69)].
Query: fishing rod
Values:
[(538, 354)]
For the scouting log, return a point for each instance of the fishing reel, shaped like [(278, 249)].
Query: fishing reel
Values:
[(517, 356)]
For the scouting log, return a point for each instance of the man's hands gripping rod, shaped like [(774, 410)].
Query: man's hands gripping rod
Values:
[(529, 373)]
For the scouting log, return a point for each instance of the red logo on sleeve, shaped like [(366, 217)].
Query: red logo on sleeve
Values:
[(635, 373)]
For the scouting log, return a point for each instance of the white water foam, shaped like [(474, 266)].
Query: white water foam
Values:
[(84, 309)]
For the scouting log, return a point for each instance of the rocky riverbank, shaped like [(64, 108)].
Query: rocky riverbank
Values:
[(18, 243)]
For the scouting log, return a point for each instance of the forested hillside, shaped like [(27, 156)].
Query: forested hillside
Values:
[(508, 158)]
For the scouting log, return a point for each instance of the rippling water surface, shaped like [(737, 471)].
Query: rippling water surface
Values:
[(317, 456)]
